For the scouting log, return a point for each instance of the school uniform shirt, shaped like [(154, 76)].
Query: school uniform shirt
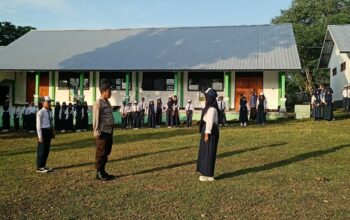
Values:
[(43, 120), (33, 110), (142, 106), (349, 93), (26, 110), (345, 93), (122, 110), (135, 108), (128, 109), (253, 100), (211, 118), (189, 107), (222, 105), (16, 112)]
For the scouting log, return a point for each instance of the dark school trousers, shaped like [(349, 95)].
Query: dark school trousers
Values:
[(44, 147)]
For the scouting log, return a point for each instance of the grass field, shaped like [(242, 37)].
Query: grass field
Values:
[(284, 170)]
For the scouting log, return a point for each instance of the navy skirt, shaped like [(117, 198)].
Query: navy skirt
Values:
[(207, 152)]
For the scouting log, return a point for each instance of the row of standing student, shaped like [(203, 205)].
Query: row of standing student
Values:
[(65, 116), (322, 102), (257, 106), (133, 114), (27, 113)]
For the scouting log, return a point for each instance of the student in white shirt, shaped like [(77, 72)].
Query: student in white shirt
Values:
[(44, 127), (25, 116), (16, 113), (31, 121), (209, 137), (142, 107), (123, 115), (135, 109), (189, 112), (222, 108)]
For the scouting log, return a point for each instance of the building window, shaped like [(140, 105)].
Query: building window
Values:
[(70, 80), (201, 81), (117, 80), (343, 67), (158, 81), (334, 71)]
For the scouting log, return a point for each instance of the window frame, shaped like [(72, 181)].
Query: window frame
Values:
[(68, 86), (202, 78), (343, 67), (334, 71), (111, 78), (159, 76)]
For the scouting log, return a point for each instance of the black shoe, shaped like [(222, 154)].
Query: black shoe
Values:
[(101, 176), (109, 176)]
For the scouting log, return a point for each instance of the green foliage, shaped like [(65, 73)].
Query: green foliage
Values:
[(10, 32), (310, 19)]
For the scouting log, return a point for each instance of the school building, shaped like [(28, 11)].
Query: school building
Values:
[(335, 56), (150, 63)]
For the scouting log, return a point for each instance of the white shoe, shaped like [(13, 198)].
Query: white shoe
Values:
[(241, 124), (210, 179), (63, 131), (49, 169), (202, 178), (206, 179), (245, 124)]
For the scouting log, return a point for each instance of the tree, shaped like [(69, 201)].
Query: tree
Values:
[(10, 32), (310, 19)]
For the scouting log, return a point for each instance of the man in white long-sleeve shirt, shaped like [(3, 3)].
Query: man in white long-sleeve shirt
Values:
[(45, 134), (189, 112)]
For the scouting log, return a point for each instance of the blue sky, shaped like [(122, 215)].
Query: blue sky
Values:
[(100, 14)]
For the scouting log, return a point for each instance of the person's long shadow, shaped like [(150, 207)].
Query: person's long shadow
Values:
[(222, 155), (125, 158), (118, 140), (281, 163)]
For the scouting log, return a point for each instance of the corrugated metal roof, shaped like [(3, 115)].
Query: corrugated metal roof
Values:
[(338, 35), (262, 47)]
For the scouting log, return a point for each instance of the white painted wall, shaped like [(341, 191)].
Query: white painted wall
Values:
[(21, 88), (338, 81), (270, 88)]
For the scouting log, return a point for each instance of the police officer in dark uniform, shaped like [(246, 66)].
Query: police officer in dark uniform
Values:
[(103, 131)]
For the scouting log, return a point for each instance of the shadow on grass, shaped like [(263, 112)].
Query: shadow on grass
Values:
[(14, 135), (222, 155), (125, 158), (297, 158), (118, 140)]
